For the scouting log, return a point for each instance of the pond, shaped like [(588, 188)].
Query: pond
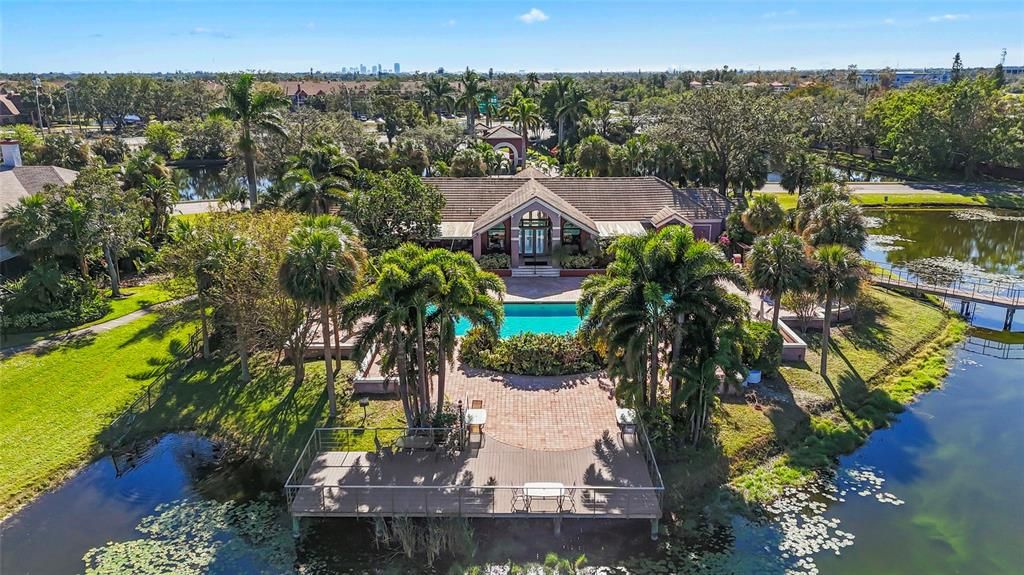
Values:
[(844, 174), (212, 182), (938, 492)]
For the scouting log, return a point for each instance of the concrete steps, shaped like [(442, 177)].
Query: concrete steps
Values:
[(535, 272)]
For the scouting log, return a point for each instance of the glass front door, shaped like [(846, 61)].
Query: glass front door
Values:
[(533, 238)]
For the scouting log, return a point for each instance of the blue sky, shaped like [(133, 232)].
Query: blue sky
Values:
[(91, 36)]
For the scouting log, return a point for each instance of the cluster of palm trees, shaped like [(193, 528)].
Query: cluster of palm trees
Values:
[(661, 312), (413, 300), (820, 254)]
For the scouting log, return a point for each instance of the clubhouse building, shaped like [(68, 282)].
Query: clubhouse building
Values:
[(532, 217)]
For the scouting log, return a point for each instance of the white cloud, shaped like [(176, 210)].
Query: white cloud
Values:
[(450, 23), (772, 15), (534, 15), (888, 21), (948, 18)]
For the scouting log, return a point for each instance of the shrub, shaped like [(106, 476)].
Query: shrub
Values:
[(46, 299), (494, 261), (762, 347), (529, 353), (578, 261), (112, 149)]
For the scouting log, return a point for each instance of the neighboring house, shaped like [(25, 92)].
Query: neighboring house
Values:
[(503, 138), (13, 109), (530, 216), (18, 181), (299, 91)]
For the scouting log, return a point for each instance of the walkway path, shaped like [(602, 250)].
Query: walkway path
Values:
[(75, 334)]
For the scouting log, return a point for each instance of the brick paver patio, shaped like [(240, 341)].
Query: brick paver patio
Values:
[(539, 413)]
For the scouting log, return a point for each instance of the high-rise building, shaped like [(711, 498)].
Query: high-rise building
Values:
[(398, 69), (362, 68)]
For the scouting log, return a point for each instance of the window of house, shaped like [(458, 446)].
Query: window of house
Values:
[(495, 240), (571, 236)]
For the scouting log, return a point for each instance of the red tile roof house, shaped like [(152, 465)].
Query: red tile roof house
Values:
[(530, 216)]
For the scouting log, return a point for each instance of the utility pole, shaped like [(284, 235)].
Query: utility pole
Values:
[(39, 107), (67, 100)]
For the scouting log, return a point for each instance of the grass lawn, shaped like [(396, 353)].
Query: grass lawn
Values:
[(55, 402), (760, 449), (869, 199), (134, 299), (268, 417)]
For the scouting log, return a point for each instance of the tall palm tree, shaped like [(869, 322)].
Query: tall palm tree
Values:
[(777, 264), (142, 164), (396, 303), (815, 197), (159, 195), (525, 115), (319, 176), (473, 91), (836, 275), (322, 264), (573, 106), (800, 172), (463, 290), (441, 94), (763, 215), (836, 223), (255, 110), (532, 84)]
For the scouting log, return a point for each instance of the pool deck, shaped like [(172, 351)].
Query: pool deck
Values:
[(542, 290)]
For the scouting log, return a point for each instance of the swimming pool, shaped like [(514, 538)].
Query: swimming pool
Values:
[(558, 318)]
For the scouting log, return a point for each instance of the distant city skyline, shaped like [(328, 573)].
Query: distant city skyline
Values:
[(51, 36)]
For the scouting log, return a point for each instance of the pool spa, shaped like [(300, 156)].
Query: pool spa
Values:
[(557, 318)]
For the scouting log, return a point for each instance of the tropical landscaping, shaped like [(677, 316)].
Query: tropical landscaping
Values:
[(238, 319)]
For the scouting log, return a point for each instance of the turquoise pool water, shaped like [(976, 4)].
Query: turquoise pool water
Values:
[(558, 318)]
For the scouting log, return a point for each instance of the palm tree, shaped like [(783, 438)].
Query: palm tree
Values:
[(318, 177), (525, 114), (322, 264), (572, 107), (142, 164), (159, 195), (188, 252), (836, 275), (532, 84), (763, 215), (473, 91), (815, 197), (800, 172), (777, 264), (837, 223), (255, 110), (396, 303), (441, 94), (27, 225), (463, 291)]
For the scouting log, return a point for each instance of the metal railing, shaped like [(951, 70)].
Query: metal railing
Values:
[(118, 429), (307, 498), (963, 286), (995, 349)]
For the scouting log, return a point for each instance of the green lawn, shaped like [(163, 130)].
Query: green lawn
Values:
[(268, 417), (56, 402), (869, 199), (759, 449), (134, 299)]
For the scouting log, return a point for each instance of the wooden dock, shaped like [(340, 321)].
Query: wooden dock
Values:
[(1008, 295), (615, 478)]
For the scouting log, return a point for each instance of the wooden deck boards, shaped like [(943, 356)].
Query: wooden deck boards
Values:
[(483, 482)]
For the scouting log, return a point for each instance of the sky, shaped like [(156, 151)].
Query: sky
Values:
[(509, 35)]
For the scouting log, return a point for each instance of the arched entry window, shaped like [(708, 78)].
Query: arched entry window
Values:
[(535, 236)]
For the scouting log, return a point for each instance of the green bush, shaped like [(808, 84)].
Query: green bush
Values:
[(529, 353), (762, 347), (44, 298), (578, 261), (494, 261)]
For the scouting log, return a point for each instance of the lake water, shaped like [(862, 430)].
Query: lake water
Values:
[(213, 182), (939, 492)]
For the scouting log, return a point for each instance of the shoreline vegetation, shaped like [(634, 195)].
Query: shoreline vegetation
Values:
[(930, 199), (792, 432)]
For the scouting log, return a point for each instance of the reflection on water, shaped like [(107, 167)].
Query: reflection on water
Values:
[(213, 182)]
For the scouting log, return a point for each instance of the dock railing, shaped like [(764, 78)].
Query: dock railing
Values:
[(313, 499), (1004, 292)]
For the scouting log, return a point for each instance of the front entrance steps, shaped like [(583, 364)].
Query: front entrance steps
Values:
[(535, 272)]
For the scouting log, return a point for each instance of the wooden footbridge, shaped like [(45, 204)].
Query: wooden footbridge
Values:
[(1007, 294)]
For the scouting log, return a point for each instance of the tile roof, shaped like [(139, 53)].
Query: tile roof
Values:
[(530, 172), (23, 181), (599, 199), (523, 195), (501, 133)]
